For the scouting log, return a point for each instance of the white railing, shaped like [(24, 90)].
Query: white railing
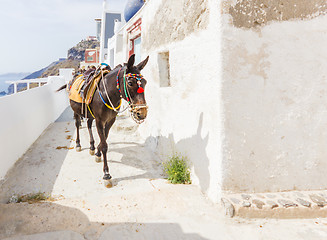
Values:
[(39, 81), (25, 115), (66, 73)]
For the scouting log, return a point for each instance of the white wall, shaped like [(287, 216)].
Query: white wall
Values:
[(247, 103), (275, 101), (67, 73), (24, 116), (185, 117)]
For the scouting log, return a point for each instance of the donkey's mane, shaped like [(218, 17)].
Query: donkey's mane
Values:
[(118, 66)]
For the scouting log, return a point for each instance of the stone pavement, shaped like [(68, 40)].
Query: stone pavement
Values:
[(291, 204), (140, 205)]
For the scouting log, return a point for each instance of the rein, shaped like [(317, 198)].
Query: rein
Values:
[(111, 107)]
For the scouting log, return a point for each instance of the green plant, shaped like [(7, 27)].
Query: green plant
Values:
[(176, 167), (31, 198)]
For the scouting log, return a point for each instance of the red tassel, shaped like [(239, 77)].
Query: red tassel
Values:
[(140, 90)]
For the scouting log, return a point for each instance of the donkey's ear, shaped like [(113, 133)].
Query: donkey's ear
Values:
[(142, 64), (131, 61)]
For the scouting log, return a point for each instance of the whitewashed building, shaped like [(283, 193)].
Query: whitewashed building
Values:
[(239, 87), (112, 18)]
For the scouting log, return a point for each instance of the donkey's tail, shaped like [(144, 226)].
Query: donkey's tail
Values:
[(62, 87)]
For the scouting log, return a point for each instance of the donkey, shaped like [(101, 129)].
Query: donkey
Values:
[(123, 82)]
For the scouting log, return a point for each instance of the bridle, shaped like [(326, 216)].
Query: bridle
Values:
[(133, 107)]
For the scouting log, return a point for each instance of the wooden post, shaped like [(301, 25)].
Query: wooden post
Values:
[(28, 85), (15, 87)]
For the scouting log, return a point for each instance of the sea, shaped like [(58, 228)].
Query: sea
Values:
[(9, 77)]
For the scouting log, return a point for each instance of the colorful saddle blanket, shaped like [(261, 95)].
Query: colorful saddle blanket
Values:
[(74, 92), (76, 88)]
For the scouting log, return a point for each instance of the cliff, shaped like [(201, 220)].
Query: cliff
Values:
[(74, 56), (78, 52)]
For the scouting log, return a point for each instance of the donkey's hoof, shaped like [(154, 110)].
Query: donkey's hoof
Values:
[(92, 152), (107, 176), (98, 159), (78, 149), (107, 183)]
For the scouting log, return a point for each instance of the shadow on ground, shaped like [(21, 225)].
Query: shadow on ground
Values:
[(27, 219), (46, 162)]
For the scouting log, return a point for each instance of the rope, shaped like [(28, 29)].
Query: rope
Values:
[(105, 89), (107, 95)]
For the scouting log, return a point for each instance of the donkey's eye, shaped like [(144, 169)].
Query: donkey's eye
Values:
[(130, 83)]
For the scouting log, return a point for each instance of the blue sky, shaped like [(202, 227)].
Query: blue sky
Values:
[(35, 33)]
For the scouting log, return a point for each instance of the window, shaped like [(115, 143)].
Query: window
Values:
[(134, 36), (89, 59), (164, 69), (137, 50)]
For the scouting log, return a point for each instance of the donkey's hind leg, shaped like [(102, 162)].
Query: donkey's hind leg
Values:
[(89, 127), (77, 125), (98, 154)]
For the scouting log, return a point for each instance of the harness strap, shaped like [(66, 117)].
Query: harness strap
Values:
[(88, 107), (138, 78), (107, 104), (127, 95)]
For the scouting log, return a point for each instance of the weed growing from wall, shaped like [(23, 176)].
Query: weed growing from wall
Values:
[(176, 167)]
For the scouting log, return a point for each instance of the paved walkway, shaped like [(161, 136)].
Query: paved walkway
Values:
[(140, 205)]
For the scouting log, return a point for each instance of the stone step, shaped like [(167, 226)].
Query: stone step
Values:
[(292, 204)]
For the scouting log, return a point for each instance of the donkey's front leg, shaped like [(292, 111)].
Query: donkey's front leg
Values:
[(103, 147), (77, 125), (89, 127)]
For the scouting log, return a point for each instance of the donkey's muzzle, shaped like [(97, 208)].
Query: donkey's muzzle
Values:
[(139, 112)]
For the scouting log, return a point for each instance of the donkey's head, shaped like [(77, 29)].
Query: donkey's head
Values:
[(135, 85)]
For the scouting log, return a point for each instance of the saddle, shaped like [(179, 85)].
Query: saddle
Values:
[(82, 88)]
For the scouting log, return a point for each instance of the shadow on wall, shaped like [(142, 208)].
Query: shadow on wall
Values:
[(15, 220), (194, 148)]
